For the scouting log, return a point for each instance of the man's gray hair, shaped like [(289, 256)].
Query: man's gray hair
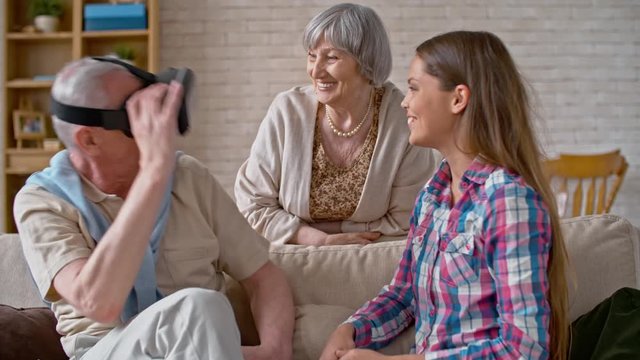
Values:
[(358, 30), (78, 84)]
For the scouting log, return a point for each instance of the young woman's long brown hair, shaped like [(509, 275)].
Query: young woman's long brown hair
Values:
[(498, 123)]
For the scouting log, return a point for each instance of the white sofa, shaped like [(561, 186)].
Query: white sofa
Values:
[(329, 283)]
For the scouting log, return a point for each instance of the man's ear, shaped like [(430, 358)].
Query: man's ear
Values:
[(461, 96), (86, 141)]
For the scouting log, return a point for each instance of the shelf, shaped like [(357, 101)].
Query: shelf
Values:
[(29, 84), (114, 33), (26, 161), (20, 171), (64, 35)]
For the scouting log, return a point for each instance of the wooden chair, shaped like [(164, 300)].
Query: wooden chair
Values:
[(600, 168)]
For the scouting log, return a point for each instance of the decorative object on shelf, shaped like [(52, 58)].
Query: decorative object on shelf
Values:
[(51, 144), (125, 53), (29, 29), (29, 125), (115, 17), (44, 77), (45, 14)]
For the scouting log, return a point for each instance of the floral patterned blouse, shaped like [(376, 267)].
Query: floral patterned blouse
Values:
[(335, 191)]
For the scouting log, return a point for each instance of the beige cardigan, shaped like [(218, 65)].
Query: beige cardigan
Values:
[(272, 186)]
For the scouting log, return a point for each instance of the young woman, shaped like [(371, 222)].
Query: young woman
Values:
[(482, 275)]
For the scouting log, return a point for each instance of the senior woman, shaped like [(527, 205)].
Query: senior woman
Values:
[(331, 163)]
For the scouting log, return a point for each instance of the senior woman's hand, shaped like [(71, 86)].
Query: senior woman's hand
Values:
[(310, 235), (362, 238), (335, 237)]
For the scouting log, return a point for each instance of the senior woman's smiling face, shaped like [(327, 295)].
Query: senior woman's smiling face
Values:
[(335, 74)]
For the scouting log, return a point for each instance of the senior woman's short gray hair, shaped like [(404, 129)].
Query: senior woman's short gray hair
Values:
[(357, 30)]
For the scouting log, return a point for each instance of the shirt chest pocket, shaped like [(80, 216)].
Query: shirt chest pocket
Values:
[(458, 266), (191, 267)]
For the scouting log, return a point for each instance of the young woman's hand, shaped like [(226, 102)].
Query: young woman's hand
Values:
[(360, 354), (340, 340)]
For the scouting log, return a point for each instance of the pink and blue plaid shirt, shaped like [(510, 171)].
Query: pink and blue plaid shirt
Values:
[(473, 277)]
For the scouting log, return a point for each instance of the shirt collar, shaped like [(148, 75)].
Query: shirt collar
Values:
[(478, 172), (92, 192)]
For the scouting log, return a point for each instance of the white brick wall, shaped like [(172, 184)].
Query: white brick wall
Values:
[(581, 57)]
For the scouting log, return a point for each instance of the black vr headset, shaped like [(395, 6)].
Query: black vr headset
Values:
[(118, 119)]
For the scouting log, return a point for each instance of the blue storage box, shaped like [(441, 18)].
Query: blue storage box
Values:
[(115, 16)]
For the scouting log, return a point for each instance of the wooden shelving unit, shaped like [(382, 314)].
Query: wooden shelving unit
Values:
[(115, 34), (40, 36), (28, 55), (29, 84)]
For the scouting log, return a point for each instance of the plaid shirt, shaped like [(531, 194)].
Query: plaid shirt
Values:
[(473, 277)]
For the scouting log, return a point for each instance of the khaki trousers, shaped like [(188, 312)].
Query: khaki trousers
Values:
[(189, 324)]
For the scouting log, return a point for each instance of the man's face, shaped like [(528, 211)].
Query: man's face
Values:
[(119, 148)]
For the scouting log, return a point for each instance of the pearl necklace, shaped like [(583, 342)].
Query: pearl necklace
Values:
[(353, 131)]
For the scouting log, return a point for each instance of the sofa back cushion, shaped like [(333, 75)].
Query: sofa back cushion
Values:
[(604, 254), (18, 288), (337, 275)]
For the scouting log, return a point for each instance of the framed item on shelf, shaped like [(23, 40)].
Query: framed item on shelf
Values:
[(29, 125)]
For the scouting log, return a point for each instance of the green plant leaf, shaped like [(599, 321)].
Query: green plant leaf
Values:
[(124, 52), (44, 7)]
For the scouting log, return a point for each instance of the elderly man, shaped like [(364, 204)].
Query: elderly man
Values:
[(129, 239)]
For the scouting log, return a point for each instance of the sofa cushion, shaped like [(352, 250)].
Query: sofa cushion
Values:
[(315, 323), (604, 254), (29, 334), (18, 288), (344, 275), (329, 283)]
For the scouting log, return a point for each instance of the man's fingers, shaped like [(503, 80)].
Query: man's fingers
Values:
[(173, 99), (155, 95), (158, 100), (133, 107)]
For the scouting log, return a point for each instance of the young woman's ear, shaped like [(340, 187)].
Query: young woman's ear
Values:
[(86, 141), (461, 95)]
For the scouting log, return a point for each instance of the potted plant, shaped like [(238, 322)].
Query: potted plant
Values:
[(45, 14), (125, 53)]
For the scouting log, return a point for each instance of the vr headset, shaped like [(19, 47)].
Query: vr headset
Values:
[(119, 119)]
